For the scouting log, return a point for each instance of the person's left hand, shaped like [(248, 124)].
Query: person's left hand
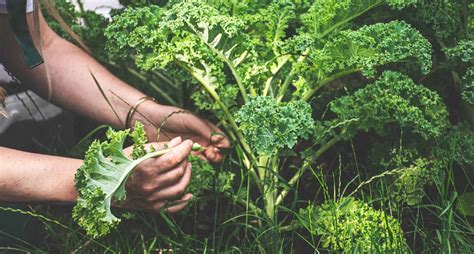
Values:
[(178, 122)]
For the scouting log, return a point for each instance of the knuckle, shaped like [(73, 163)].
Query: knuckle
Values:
[(146, 188), (175, 159), (150, 199), (180, 172), (180, 189), (157, 207)]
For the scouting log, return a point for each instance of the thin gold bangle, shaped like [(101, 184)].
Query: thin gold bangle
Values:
[(134, 108)]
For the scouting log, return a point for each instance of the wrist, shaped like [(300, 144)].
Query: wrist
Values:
[(148, 113)]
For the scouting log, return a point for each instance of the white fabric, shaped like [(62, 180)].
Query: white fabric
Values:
[(3, 6)]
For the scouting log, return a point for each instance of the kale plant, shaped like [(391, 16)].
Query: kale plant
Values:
[(295, 83), (352, 226)]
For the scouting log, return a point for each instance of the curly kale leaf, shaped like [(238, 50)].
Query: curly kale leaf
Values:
[(409, 185), (190, 35), (443, 17), (325, 16), (101, 179), (461, 145), (205, 178), (371, 46), (463, 51), (351, 226), (188, 32), (467, 86), (269, 125), (393, 99)]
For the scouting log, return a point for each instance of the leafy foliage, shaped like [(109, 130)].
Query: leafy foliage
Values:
[(101, 180), (324, 16), (394, 98), (467, 90), (372, 46), (102, 177), (464, 51), (270, 126), (442, 16), (205, 178), (410, 184), (350, 226), (273, 73)]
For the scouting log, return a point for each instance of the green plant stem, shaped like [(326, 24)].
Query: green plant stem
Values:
[(230, 118), (290, 76), (303, 168), (268, 188), (275, 71), (348, 19), (245, 203), (289, 228), (309, 94), (162, 93)]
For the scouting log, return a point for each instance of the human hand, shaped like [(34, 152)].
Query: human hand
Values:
[(178, 122), (158, 181)]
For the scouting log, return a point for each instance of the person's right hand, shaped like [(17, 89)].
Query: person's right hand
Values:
[(158, 181)]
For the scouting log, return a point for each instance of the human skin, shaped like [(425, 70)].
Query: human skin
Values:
[(27, 177)]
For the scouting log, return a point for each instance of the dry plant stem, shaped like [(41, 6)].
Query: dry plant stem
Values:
[(137, 111), (303, 168), (386, 173), (106, 99), (51, 9)]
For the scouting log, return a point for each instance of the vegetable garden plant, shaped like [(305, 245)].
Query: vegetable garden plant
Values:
[(350, 121)]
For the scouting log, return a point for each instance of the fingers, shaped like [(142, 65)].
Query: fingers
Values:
[(172, 159), (171, 207), (172, 176), (213, 154), (219, 139), (172, 191), (180, 204)]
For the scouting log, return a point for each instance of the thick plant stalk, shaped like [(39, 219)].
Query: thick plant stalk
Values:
[(290, 77), (303, 168), (309, 94)]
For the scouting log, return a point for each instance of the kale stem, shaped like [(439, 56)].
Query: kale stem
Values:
[(345, 21), (307, 96), (275, 72), (290, 76), (230, 119), (303, 168), (245, 203)]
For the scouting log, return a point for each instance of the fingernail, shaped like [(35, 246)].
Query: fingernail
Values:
[(175, 141)]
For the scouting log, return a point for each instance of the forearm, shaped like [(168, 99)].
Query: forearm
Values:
[(74, 88), (28, 177), (68, 69)]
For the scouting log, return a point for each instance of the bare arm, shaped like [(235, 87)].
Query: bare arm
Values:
[(28, 177), (72, 86)]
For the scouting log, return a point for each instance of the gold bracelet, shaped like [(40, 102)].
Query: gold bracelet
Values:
[(134, 108)]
